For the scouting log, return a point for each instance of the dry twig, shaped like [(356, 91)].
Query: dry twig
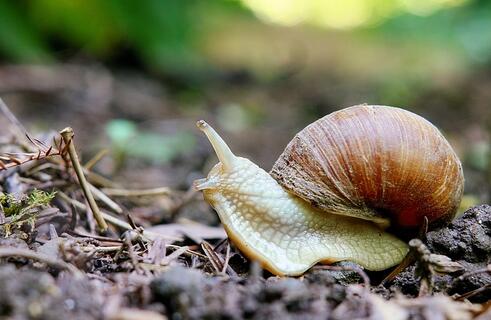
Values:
[(17, 126), (137, 193), (213, 257), (67, 135), (29, 254)]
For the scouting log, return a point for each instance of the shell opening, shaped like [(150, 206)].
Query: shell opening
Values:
[(225, 155)]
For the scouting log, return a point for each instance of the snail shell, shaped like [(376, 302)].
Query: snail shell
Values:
[(378, 163)]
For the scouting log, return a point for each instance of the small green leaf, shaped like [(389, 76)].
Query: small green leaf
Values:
[(161, 148), (120, 131)]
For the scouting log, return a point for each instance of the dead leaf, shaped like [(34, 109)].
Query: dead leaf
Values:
[(443, 264), (52, 247), (156, 251)]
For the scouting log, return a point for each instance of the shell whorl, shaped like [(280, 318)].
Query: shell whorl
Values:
[(374, 162)]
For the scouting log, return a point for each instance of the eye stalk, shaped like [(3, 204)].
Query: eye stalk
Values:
[(225, 155)]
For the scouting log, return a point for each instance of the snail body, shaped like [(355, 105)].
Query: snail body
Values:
[(328, 196)]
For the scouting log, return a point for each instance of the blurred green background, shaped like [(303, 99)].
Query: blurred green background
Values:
[(133, 76)]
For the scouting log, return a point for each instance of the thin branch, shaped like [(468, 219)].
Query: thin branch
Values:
[(29, 254), (473, 273), (227, 259), (137, 193), (10, 160), (213, 257), (406, 262), (21, 131), (113, 220), (474, 292), (67, 135), (104, 198), (92, 162)]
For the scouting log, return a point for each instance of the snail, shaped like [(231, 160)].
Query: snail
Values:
[(337, 190)]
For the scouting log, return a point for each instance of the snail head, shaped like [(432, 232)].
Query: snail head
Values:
[(231, 173)]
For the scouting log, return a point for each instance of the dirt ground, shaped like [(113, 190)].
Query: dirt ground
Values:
[(164, 254), (32, 290)]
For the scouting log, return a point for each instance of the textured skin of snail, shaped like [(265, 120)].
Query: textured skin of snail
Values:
[(285, 233)]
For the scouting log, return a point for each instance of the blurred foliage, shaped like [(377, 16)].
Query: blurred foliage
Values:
[(19, 38), (165, 35), (468, 201), (162, 34), (466, 28), (478, 156), (343, 15), (128, 141)]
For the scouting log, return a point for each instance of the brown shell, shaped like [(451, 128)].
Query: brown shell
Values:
[(374, 162)]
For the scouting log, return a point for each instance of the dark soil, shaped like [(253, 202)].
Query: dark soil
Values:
[(189, 294), (466, 240), (28, 292), (32, 294)]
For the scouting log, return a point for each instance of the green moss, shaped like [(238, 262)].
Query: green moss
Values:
[(23, 210)]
